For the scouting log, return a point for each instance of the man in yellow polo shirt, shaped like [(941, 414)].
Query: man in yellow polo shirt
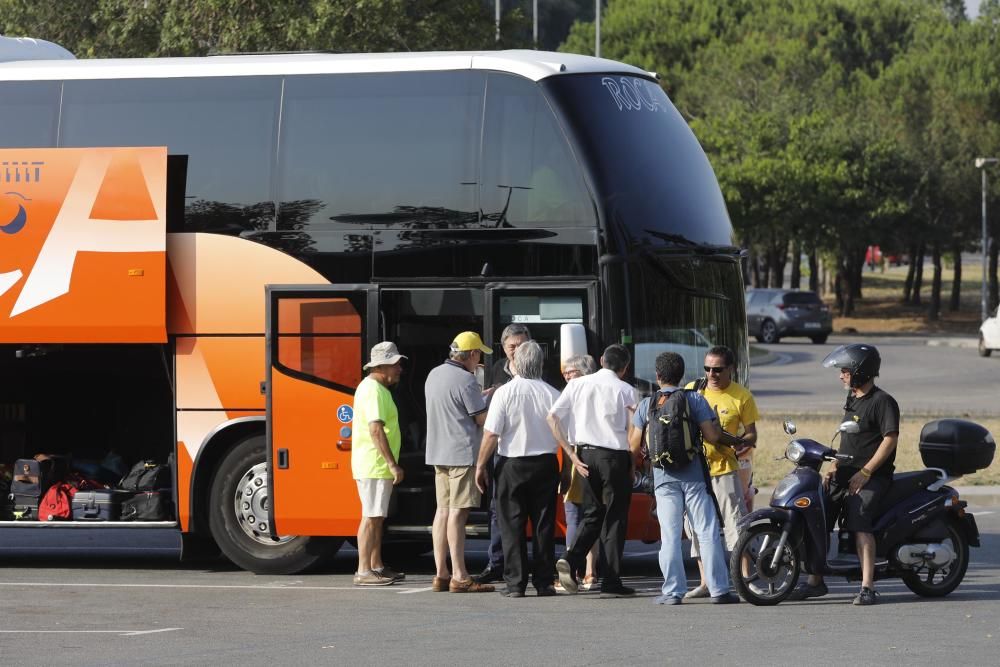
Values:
[(737, 412), (374, 460)]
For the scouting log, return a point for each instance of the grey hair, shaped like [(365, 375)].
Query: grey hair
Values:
[(584, 363), (528, 360), (514, 330), (460, 355)]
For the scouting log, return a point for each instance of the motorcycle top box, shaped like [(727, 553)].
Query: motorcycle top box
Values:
[(960, 447)]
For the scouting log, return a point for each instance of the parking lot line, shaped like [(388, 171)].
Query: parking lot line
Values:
[(267, 587), (416, 590), (123, 633)]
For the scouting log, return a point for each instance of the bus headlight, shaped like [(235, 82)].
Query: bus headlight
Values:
[(794, 452)]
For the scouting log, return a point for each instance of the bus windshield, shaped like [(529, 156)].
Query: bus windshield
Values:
[(685, 305), (648, 168), (665, 215)]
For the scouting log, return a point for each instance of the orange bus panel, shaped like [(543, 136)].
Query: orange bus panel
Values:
[(83, 245)]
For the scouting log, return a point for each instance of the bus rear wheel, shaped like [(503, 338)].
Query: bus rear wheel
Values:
[(238, 517)]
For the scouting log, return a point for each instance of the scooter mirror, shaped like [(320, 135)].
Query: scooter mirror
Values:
[(789, 426), (849, 427)]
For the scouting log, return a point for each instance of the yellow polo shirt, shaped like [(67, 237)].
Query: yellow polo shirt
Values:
[(736, 410)]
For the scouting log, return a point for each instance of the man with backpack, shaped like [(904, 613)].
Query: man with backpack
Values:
[(671, 424), (736, 410)]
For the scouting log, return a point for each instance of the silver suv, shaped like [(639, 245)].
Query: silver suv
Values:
[(773, 314)]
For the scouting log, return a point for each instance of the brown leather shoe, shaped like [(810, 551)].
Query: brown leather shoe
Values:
[(469, 586), (440, 584)]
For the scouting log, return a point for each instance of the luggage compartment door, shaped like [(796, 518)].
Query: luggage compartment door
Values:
[(84, 245), (317, 342)]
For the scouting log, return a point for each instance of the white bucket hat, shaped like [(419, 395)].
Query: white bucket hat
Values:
[(384, 354)]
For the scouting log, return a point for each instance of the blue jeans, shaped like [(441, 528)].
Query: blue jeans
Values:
[(574, 515), (672, 499)]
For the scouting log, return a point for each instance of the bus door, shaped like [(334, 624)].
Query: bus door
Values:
[(317, 341), (543, 309)]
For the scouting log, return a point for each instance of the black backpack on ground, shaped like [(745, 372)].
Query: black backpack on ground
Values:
[(672, 437)]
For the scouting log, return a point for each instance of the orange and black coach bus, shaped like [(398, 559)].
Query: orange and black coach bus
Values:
[(196, 255)]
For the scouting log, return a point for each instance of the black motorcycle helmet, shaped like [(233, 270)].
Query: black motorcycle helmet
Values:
[(860, 359)]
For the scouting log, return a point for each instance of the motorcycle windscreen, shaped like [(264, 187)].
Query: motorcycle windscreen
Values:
[(83, 245), (316, 340)]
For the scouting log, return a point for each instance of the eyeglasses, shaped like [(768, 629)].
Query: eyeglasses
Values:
[(714, 369), (569, 375)]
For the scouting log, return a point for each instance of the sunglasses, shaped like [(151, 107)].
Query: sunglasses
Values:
[(714, 369)]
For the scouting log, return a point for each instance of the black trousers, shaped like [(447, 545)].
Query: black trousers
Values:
[(526, 489), (606, 499)]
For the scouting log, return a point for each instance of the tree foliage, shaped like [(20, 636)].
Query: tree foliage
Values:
[(831, 124), (139, 28)]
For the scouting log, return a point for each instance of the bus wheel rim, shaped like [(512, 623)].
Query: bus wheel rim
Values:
[(251, 506)]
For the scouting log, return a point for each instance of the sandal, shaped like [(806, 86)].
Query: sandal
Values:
[(588, 582)]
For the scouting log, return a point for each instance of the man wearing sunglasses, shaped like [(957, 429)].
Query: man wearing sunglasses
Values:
[(737, 412)]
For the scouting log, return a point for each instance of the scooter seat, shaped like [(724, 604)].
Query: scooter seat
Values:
[(905, 484)]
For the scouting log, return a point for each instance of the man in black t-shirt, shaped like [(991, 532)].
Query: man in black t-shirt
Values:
[(859, 484)]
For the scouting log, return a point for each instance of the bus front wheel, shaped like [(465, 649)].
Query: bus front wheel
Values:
[(238, 517)]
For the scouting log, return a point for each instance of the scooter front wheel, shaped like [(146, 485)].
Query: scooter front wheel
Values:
[(758, 578)]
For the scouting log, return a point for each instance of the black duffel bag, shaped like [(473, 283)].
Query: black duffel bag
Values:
[(148, 506), (147, 476)]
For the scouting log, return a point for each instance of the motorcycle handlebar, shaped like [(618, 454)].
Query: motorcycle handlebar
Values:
[(839, 457)]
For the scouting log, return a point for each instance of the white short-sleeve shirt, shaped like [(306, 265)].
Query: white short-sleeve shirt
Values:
[(595, 410), (517, 415)]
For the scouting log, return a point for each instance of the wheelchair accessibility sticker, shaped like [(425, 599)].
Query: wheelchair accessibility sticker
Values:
[(345, 414)]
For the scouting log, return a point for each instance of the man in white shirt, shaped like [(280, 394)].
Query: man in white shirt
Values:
[(527, 471), (594, 412)]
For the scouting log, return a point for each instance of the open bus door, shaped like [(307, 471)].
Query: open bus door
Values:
[(317, 339)]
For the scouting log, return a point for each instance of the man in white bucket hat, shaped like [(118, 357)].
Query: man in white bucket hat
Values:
[(374, 460)]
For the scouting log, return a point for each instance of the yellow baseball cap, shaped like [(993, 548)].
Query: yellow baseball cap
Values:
[(469, 340)]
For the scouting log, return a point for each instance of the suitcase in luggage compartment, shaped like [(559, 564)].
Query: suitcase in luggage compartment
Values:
[(147, 476), (32, 477), (149, 506), (98, 505), (24, 507)]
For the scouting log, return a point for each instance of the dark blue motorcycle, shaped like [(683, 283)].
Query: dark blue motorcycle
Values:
[(922, 533)]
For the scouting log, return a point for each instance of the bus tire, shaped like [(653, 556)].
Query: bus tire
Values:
[(242, 541)]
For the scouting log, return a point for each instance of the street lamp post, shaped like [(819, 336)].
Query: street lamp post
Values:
[(534, 22), (597, 28), (981, 164)]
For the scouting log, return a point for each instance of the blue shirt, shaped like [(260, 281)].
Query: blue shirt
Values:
[(700, 411)]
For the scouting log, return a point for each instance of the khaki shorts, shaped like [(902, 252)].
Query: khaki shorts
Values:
[(456, 487), (728, 491), (374, 494)]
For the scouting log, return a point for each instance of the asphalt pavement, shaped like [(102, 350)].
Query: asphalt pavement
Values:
[(79, 613)]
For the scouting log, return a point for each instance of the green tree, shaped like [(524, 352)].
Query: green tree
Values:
[(141, 28)]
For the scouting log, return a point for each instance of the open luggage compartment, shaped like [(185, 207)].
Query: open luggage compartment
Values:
[(99, 409)]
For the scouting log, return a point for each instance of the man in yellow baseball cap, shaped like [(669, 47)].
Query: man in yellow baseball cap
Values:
[(456, 409), (468, 341)]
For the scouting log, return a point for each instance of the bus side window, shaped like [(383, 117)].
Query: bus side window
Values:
[(397, 150), (227, 128), (530, 176), (29, 113)]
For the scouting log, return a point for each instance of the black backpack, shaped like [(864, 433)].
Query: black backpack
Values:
[(147, 476), (672, 437)]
